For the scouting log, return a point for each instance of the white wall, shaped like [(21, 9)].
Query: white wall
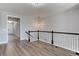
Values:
[(3, 28), (29, 23), (67, 21), (26, 24), (10, 28), (17, 28)]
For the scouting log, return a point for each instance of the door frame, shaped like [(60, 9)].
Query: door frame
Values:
[(19, 23)]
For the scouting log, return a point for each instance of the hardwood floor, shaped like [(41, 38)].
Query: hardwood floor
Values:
[(37, 48)]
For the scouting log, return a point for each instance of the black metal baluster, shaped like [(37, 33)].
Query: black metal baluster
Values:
[(52, 37), (38, 34), (29, 36)]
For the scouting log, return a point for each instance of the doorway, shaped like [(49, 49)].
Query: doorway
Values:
[(13, 28)]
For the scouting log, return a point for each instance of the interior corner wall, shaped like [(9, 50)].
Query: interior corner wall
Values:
[(26, 24), (67, 21)]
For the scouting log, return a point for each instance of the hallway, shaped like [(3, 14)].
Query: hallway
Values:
[(12, 37)]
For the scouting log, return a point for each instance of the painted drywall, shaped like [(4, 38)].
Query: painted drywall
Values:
[(10, 28), (17, 28), (26, 24), (31, 23), (67, 21), (3, 28)]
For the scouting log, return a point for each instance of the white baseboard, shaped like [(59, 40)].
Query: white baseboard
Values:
[(5, 42)]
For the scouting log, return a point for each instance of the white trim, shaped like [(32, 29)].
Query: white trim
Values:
[(5, 42), (13, 15)]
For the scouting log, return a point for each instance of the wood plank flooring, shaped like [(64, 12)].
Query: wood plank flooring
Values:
[(37, 48)]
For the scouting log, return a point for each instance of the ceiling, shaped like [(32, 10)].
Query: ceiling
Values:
[(42, 10)]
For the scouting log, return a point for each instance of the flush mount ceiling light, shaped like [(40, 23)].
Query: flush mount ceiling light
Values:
[(37, 4)]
